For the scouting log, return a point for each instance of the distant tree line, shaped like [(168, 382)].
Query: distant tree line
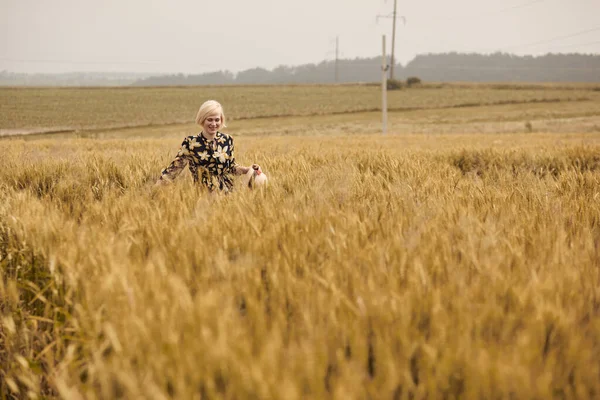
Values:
[(357, 70), (502, 67), (445, 67)]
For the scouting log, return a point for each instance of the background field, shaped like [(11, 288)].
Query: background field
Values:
[(51, 109), (457, 256)]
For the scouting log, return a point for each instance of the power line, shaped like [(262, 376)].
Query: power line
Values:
[(489, 13), (559, 37), (500, 11), (545, 41), (578, 44), (520, 6), (88, 62), (517, 46)]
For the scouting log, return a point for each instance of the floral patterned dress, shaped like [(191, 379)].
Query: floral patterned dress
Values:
[(212, 164)]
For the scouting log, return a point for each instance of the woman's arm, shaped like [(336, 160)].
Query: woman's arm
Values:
[(177, 165), (235, 168), (239, 170)]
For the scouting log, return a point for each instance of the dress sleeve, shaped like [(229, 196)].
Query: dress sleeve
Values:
[(178, 164), (232, 163)]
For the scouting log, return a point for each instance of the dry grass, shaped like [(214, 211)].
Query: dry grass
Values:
[(409, 266)]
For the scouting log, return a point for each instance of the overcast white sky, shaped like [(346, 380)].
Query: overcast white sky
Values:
[(194, 36)]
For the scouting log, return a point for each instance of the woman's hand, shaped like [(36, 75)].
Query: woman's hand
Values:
[(161, 182)]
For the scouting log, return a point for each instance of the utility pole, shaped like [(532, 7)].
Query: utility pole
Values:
[(384, 68), (337, 42), (393, 42), (394, 17)]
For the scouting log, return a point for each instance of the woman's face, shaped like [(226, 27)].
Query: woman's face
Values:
[(212, 123)]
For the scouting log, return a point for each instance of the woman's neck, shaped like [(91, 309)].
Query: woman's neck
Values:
[(207, 136)]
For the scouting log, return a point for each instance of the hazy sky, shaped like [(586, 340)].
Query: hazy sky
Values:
[(193, 36)]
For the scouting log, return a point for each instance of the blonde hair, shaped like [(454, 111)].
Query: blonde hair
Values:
[(207, 108)]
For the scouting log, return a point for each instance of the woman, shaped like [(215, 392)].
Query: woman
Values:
[(208, 154)]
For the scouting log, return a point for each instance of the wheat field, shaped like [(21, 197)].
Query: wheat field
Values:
[(456, 257)]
